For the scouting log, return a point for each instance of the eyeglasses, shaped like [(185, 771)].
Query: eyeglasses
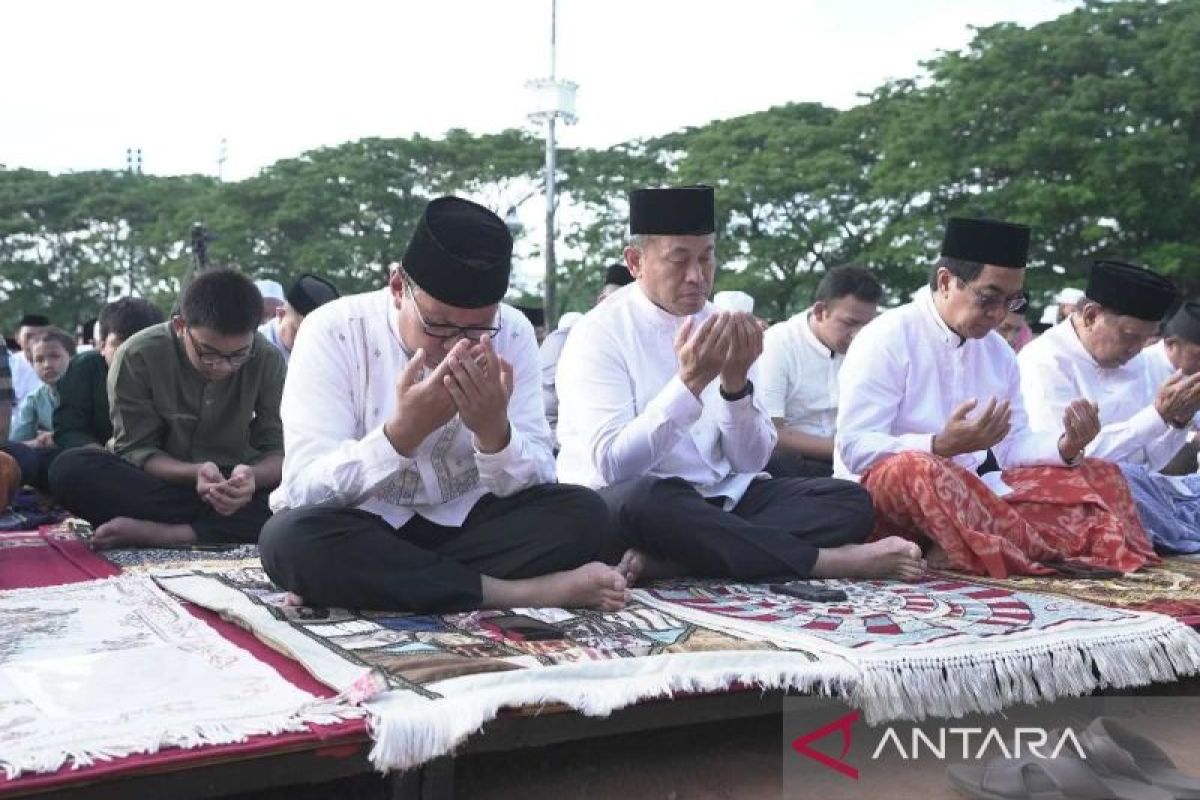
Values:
[(472, 332), (210, 358), (991, 302)]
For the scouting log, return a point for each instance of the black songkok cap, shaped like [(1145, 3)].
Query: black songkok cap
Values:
[(34, 321), (618, 275), (460, 253), (309, 293), (535, 315), (987, 241), (681, 211), (1131, 290), (1186, 323)]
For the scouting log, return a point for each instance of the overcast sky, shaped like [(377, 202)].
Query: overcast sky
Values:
[(82, 81)]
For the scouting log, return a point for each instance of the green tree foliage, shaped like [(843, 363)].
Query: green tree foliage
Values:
[(1087, 127)]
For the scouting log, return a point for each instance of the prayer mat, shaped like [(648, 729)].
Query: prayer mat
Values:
[(1171, 588), (102, 669), (895, 650), (157, 559), (28, 511)]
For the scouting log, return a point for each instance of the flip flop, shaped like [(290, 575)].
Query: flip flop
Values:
[(1046, 779), (1114, 750), (1074, 569)]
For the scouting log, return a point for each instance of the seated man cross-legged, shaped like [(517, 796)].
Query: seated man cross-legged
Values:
[(931, 412), (197, 441), (419, 474), (658, 412)]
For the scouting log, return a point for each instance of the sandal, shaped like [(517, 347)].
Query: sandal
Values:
[(1114, 750), (1046, 779)]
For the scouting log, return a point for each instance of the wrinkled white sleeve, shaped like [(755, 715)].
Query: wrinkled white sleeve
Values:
[(528, 460), (548, 355), (1025, 446), (747, 433), (327, 459), (776, 373), (871, 388), (595, 383), (1145, 438)]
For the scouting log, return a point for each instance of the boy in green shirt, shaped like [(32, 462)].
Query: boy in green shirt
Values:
[(197, 441)]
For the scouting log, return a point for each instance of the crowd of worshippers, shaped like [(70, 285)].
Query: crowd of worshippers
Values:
[(413, 447)]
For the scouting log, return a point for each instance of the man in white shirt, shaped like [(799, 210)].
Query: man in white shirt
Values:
[(1098, 352), (615, 276), (930, 394), (1179, 349), (307, 294), (800, 364), (418, 473), (657, 410)]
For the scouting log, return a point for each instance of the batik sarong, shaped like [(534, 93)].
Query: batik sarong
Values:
[(1084, 514)]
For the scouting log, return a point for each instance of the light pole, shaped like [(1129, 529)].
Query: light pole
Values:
[(554, 99)]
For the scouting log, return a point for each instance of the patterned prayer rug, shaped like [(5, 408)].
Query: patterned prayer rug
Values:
[(1171, 588), (102, 669), (895, 650), (158, 559)]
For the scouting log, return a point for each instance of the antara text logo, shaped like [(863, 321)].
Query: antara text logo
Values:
[(967, 743)]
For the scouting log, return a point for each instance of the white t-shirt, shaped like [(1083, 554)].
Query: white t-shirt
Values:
[(800, 377)]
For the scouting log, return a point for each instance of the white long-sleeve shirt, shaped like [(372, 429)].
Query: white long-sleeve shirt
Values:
[(270, 332), (905, 374), (1056, 368), (800, 377), (341, 389), (624, 413)]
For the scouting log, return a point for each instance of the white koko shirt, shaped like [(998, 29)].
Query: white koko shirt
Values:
[(800, 377), (905, 374), (1056, 369), (341, 389), (624, 413)]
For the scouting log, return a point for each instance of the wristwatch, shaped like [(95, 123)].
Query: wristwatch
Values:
[(745, 391)]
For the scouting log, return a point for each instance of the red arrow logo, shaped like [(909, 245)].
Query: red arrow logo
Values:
[(844, 724)]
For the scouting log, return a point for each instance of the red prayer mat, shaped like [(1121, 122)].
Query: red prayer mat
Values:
[(55, 556)]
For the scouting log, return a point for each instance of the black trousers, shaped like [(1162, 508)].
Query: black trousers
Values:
[(34, 463), (349, 558), (794, 465), (98, 486), (774, 531)]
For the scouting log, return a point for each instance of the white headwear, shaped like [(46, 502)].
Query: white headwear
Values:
[(1069, 295), (271, 290)]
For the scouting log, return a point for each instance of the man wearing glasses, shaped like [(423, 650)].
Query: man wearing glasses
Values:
[(197, 441), (419, 474), (931, 398)]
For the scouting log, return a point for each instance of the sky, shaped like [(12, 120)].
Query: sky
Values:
[(84, 81)]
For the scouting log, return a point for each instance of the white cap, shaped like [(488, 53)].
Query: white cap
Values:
[(1049, 315), (568, 319), (271, 290), (734, 301), (1069, 295)]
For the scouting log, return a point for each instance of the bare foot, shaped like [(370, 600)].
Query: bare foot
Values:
[(293, 599), (595, 585), (636, 565), (128, 532), (938, 558), (631, 566), (892, 557)]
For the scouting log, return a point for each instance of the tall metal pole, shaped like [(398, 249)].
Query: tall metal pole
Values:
[(548, 302)]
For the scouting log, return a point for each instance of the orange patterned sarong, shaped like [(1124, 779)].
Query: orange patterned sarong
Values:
[(1084, 513)]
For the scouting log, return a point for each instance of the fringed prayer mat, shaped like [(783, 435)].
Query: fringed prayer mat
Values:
[(1171, 588), (948, 647), (896, 650), (449, 674), (108, 668)]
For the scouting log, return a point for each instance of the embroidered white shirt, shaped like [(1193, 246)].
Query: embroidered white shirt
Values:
[(1056, 369), (905, 374), (270, 331), (800, 377), (623, 412), (341, 389)]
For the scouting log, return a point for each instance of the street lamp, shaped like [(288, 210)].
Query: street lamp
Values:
[(553, 100)]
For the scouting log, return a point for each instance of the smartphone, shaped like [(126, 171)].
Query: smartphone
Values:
[(522, 628), (809, 591)]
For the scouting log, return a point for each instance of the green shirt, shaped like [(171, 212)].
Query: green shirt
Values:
[(82, 414), (161, 404)]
